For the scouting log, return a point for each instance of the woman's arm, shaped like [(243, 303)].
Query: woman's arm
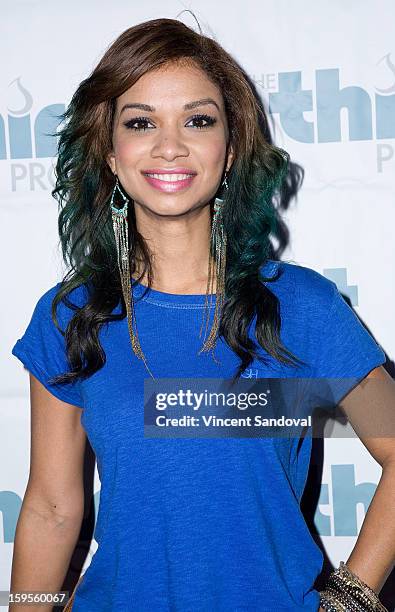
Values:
[(370, 408), (53, 505)]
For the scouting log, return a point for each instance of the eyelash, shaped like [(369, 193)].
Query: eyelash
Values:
[(210, 122)]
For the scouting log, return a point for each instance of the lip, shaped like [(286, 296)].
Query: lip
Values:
[(168, 171), (167, 186)]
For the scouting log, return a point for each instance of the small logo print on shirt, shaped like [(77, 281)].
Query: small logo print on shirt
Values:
[(250, 373)]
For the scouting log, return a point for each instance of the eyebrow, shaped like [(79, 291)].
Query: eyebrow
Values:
[(189, 106)]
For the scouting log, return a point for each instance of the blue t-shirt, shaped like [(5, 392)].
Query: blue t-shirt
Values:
[(199, 525)]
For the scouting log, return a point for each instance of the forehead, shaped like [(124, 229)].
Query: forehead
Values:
[(171, 86)]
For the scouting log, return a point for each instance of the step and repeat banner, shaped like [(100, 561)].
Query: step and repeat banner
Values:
[(326, 73)]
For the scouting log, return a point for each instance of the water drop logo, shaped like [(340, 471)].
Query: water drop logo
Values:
[(386, 60), (26, 135), (385, 102)]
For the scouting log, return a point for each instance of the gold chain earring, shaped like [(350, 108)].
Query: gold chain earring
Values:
[(121, 232), (217, 260)]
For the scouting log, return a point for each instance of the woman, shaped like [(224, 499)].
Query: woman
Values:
[(161, 163)]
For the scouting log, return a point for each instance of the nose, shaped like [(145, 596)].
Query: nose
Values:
[(169, 144)]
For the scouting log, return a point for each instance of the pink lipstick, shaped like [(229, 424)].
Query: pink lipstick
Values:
[(169, 180)]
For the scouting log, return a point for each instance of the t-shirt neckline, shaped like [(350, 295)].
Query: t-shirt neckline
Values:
[(153, 295)]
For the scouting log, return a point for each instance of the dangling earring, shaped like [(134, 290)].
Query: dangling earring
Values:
[(218, 240), (120, 225)]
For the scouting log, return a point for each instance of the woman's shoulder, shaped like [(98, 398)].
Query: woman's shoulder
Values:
[(74, 299), (301, 284), (322, 323)]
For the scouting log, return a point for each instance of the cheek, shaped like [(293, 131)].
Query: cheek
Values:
[(128, 152), (214, 156)]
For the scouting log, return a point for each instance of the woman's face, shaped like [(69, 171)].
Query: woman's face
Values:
[(172, 120)]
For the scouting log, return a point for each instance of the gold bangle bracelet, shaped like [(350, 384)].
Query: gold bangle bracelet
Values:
[(345, 591)]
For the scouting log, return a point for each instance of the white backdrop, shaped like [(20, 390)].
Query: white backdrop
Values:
[(327, 70)]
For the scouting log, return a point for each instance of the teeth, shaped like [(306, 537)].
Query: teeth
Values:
[(172, 178)]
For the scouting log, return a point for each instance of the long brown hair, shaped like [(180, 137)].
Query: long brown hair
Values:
[(84, 183)]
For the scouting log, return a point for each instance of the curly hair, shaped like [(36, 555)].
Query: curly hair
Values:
[(84, 183)]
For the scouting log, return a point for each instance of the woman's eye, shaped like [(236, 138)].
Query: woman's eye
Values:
[(139, 120), (200, 118)]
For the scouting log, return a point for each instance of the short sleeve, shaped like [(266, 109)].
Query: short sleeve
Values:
[(42, 348), (346, 351)]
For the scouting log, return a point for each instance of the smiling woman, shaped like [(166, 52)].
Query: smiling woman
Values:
[(163, 117), (166, 181)]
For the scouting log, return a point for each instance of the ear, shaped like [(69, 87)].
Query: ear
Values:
[(111, 162), (230, 158)]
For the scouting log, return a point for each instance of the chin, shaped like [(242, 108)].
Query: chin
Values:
[(169, 207)]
